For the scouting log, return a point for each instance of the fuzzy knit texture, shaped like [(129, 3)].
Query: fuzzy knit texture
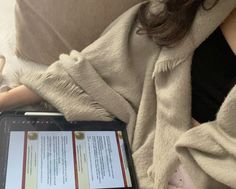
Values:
[(127, 76)]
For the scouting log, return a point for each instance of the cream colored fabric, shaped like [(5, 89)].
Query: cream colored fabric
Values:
[(127, 76), (47, 28)]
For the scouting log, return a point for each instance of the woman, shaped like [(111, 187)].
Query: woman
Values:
[(146, 81)]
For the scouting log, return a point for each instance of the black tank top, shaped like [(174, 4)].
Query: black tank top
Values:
[(213, 76)]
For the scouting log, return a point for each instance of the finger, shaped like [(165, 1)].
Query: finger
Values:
[(2, 63)]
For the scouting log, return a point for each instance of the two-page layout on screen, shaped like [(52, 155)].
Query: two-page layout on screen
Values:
[(57, 159)]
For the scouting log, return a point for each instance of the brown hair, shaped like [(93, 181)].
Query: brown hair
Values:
[(172, 22)]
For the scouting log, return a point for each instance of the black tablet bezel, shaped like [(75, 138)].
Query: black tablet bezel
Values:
[(55, 123)]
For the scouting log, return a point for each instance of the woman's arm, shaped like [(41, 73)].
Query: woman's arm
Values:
[(18, 96)]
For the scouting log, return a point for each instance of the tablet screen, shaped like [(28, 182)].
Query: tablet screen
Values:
[(67, 159)]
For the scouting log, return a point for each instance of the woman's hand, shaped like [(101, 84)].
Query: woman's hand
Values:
[(19, 96)]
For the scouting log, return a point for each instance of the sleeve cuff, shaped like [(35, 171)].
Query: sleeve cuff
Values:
[(58, 88)]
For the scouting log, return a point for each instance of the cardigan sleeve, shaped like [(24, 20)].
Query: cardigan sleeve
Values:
[(101, 82), (209, 149), (56, 86)]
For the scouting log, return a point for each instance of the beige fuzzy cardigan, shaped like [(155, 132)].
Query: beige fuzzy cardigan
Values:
[(128, 76)]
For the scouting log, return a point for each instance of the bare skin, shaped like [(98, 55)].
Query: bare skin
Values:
[(18, 96), (228, 28), (22, 95)]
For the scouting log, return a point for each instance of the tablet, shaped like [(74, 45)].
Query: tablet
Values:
[(44, 151)]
